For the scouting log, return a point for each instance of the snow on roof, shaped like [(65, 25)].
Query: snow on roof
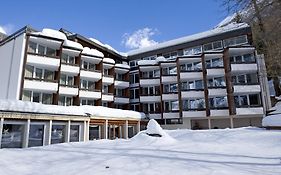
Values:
[(109, 47), (73, 44), (51, 33), (229, 19), (152, 62), (108, 60), (209, 33), (272, 120), (126, 66), (94, 52), (95, 111)]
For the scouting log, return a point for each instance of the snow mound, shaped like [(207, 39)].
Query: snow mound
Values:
[(272, 120), (73, 44), (154, 135), (94, 52), (153, 128), (108, 60), (53, 33)]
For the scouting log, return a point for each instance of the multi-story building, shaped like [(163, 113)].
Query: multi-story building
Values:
[(213, 79)]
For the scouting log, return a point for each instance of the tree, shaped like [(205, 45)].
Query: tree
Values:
[(264, 16)]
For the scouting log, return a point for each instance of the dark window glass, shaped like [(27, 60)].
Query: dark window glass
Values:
[(12, 136), (58, 134), (74, 133), (36, 135)]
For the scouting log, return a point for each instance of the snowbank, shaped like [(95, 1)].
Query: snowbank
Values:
[(93, 52), (154, 128), (272, 121), (152, 62), (96, 111), (51, 33)]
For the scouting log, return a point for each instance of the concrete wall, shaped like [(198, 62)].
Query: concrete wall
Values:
[(12, 57)]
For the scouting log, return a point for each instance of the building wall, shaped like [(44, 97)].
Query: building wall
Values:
[(12, 57)]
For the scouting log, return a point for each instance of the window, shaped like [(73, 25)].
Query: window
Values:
[(36, 135), (120, 92), (37, 97), (151, 74), (74, 133), (88, 85), (246, 58), (193, 104), (218, 102), (170, 106), (151, 107), (193, 50), (105, 89), (48, 75), (58, 134), (213, 46), (236, 41), (194, 84), (50, 52), (47, 98), (66, 80), (28, 71), (170, 70), (65, 101), (32, 47), (120, 77), (105, 72), (87, 102), (245, 79), (247, 100), (88, 66), (170, 88), (38, 73), (214, 63), (216, 82), (41, 50), (68, 59), (12, 135)]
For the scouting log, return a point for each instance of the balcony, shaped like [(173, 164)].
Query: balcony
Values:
[(43, 61), (219, 112), (215, 72), (107, 79), (170, 96), (90, 75), (121, 84), (246, 88), (169, 79), (41, 85), (249, 111), (68, 90), (144, 99), (150, 82), (192, 94), (83, 93), (121, 100), (70, 69), (92, 59), (107, 97), (155, 116), (217, 92), (191, 75), (252, 67), (194, 114), (171, 115)]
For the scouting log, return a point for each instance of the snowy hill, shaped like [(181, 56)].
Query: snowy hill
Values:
[(244, 151)]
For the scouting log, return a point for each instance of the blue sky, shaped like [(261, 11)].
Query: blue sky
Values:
[(116, 21)]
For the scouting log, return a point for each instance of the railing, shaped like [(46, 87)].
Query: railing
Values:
[(68, 85), (41, 80), (43, 55), (91, 90), (91, 70)]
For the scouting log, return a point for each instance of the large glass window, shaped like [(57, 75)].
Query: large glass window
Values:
[(216, 82), (26, 95), (28, 71), (170, 106), (36, 135), (74, 133), (218, 102), (214, 63), (47, 98), (194, 104), (12, 136), (58, 134), (247, 100), (194, 84), (236, 41), (32, 47)]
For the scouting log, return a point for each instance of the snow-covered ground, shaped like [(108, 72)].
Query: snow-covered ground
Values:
[(227, 151)]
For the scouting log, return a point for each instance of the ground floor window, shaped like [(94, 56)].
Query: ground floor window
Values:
[(94, 132), (74, 133), (12, 135), (36, 135), (58, 134)]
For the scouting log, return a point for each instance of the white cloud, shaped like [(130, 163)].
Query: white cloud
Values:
[(140, 38), (7, 29)]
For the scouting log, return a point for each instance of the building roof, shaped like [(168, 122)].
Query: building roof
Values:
[(190, 38)]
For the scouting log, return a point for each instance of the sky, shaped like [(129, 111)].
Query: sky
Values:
[(123, 24)]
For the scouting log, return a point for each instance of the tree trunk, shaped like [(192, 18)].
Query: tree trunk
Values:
[(276, 83)]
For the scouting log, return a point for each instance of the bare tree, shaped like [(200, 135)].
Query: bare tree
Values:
[(264, 16)]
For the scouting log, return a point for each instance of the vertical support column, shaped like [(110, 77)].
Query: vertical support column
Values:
[(126, 134), (26, 134), (105, 129), (49, 133), (209, 123), (1, 129), (231, 121), (85, 131), (138, 127), (67, 138), (88, 131), (114, 132)]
